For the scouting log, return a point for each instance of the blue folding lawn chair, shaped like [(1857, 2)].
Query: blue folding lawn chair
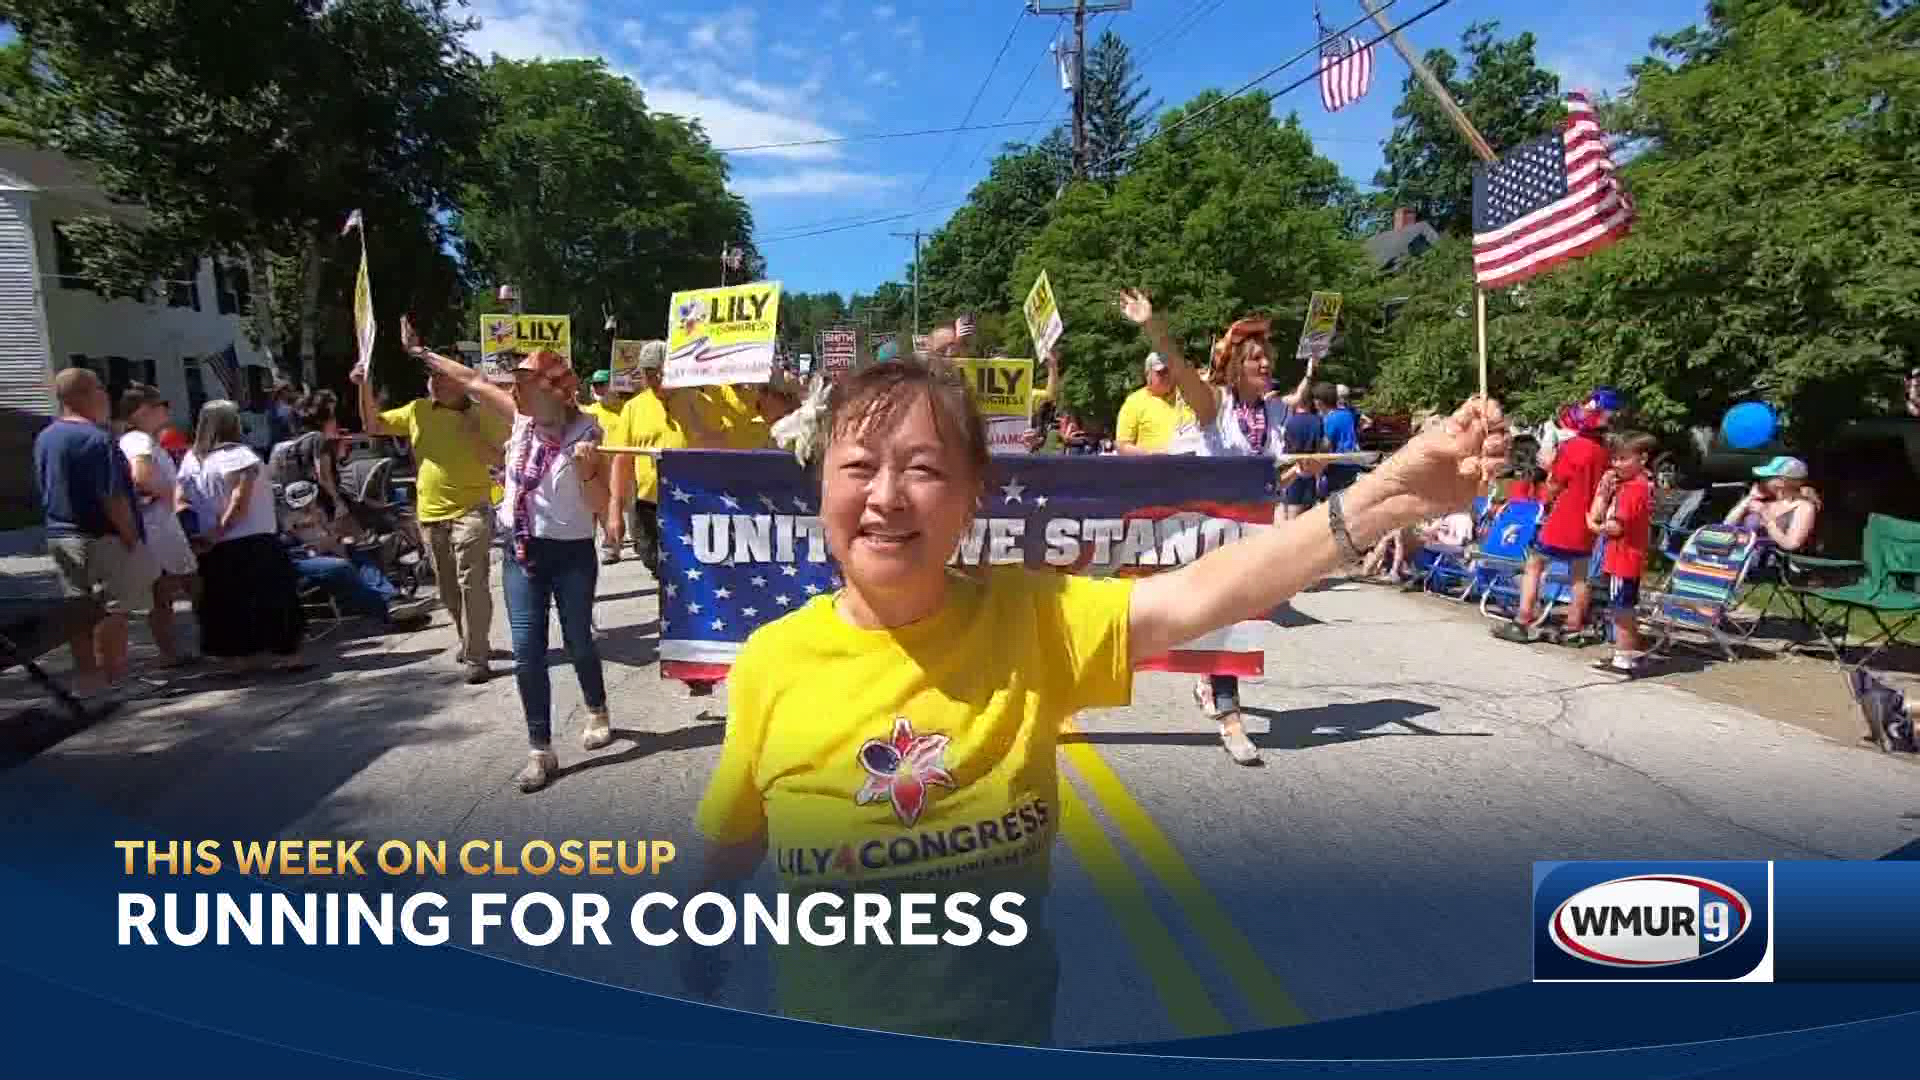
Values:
[(1557, 586), (1502, 556), (1446, 570)]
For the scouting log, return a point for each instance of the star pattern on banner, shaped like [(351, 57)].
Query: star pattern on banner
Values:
[(1012, 490), (726, 601)]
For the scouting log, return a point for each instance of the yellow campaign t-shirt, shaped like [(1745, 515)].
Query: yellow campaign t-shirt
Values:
[(453, 476), (734, 412), (1148, 420), (920, 758), (601, 415), (645, 422)]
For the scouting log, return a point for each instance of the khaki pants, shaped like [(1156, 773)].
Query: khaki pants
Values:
[(461, 547)]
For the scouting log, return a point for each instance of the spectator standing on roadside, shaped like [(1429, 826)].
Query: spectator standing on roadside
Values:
[(93, 532)]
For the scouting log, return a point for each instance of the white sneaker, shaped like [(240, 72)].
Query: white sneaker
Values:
[(539, 772), (1239, 747), (599, 730)]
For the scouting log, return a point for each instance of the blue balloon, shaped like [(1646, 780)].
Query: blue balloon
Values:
[(1748, 425)]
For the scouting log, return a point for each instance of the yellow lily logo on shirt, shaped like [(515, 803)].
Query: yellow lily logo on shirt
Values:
[(900, 769)]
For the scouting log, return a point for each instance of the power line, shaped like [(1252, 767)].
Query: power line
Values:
[(864, 223), (872, 137), (1013, 29)]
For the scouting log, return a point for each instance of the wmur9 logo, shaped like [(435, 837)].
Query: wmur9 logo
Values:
[(1667, 921)]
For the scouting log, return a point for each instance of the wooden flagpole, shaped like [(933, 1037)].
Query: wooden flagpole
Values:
[(1474, 139)]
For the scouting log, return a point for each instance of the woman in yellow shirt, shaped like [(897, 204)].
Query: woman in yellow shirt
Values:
[(900, 734)]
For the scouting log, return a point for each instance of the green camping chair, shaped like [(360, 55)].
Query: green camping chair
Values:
[(1886, 590)]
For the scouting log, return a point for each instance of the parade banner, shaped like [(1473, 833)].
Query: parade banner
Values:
[(1043, 316), (525, 333), (1004, 391), (742, 543), (363, 328), (837, 349), (1316, 337), (626, 365), (721, 336)]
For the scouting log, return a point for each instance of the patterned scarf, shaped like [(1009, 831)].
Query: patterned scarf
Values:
[(532, 454), (1253, 422)]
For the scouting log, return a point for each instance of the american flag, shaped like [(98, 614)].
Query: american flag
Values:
[(1548, 201), (1346, 71), (225, 366), (740, 532), (963, 326)]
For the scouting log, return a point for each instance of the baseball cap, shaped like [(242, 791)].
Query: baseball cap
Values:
[(1789, 468), (653, 355), (1342, 390), (551, 366), (1155, 363), (139, 395), (1606, 397), (601, 377)]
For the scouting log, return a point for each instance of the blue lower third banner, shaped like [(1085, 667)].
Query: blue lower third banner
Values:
[(1713, 921), (742, 542)]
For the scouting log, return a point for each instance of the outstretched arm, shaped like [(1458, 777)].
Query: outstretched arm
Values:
[(471, 381), (1194, 389), (1439, 472)]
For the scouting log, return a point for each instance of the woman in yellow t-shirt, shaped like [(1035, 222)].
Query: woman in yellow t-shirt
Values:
[(898, 736)]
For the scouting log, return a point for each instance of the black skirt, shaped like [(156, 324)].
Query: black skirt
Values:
[(250, 602)]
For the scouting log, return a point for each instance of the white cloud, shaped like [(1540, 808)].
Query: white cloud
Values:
[(731, 123), (733, 108), (814, 182), (1596, 61), (883, 78), (883, 12), (849, 37), (909, 32)]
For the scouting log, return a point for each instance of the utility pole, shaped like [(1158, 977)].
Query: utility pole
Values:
[(916, 277), (1079, 9)]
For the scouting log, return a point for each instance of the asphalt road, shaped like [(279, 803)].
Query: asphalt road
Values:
[(1415, 768)]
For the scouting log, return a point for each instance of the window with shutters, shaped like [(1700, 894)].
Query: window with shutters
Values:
[(222, 295), (119, 376), (149, 373), (256, 382), (184, 289)]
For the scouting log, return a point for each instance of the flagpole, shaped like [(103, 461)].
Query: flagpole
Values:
[(1474, 139)]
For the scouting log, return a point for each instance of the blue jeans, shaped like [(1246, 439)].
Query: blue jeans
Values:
[(358, 585), (563, 574)]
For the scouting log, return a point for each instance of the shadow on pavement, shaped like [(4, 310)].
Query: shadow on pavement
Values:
[(645, 744), (1286, 615), (1297, 729), (633, 594)]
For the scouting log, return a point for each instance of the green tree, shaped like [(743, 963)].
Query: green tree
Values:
[(20, 94), (1229, 215), (966, 261), (1774, 256), (1117, 111), (252, 127), (1510, 99), (590, 203)]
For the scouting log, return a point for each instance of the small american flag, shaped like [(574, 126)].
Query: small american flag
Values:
[(1346, 71), (354, 221), (963, 326), (1548, 201)]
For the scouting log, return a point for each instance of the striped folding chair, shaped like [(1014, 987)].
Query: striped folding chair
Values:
[(1702, 590)]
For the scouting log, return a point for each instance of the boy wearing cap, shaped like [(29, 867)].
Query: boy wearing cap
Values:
[(1151, 414), (1578, 465), (1781, 507)]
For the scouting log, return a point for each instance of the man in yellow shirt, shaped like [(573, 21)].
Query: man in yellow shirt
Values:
[(724, 418), (608, 400), (1151, 414), (645, 421), (454, 445)]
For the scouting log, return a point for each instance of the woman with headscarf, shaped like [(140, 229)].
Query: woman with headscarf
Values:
[(1234, 416), (556, 478), (250, 605)]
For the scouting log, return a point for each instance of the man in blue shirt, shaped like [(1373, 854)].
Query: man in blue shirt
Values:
[(97, 541), (1341, 426)]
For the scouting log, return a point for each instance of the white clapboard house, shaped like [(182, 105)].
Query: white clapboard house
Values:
[(188, 336)]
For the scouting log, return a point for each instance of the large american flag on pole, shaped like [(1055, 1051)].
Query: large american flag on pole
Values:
[(1550, 200), (742, 543), (1346, 71)]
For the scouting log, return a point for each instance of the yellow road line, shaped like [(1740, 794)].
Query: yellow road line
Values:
[(1264, 992), (1175, 981)]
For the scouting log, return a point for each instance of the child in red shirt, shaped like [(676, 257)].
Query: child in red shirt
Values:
[(1578, 464), (1622, 510)]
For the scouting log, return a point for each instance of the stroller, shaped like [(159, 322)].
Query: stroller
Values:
[(388, 524)]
